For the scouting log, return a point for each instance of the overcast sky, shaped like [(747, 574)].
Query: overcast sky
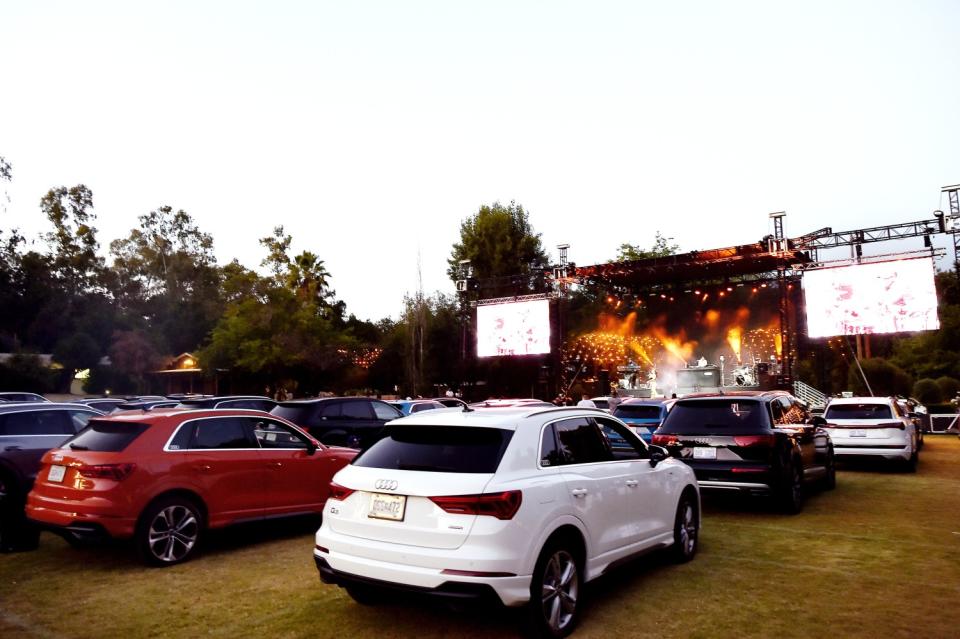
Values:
[(370, 130)]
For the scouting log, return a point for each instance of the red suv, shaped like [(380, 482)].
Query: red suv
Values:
[(163, 477)]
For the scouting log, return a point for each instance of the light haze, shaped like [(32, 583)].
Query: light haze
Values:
[(370, 130)]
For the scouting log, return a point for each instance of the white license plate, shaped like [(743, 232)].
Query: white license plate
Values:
[(56, 473), (389, 507), (704, 452), (858, 433)]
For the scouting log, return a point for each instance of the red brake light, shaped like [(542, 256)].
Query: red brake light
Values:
[(665, 440), (339, 492), (117, 472), (753, 440), (500, 505)]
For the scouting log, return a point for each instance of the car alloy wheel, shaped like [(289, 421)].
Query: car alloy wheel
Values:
[(560, 586), (686, 530), (169, 532), (792, 496)]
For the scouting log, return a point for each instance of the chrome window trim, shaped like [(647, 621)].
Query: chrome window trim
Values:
[(540, 466), (258, 447)]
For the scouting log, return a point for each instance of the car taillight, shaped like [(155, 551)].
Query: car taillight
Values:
[(500, 505), (665, 440), (753, 440), (339, 492), (116, 472)]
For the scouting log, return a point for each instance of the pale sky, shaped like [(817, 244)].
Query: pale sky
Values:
[(370, 130)]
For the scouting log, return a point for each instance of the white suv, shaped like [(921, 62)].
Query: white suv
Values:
[(516, 505), (872, 426)]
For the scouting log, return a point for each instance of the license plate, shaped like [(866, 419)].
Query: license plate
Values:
[(389, 507), (704, 452), (56, 473), (858, 433)]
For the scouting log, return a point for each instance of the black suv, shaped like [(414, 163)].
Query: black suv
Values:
[(752, 442), (27, 431), (355, 422)]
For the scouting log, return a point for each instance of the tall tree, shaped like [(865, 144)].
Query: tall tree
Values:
[(661, 248), (498, 241), (73, 241)]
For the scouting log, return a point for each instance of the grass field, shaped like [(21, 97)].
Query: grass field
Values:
[(879, 556)]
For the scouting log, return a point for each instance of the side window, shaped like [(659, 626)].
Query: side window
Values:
[(549, 452), (80, 419), (581, 441), (330, 410), (357, 410), (621, 441), (224, 432), (777, 408), (181, 441), (271, 434), (40, 422), (385, 411)]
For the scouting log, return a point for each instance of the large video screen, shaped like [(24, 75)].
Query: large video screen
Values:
[(516, 328), (883, 297)]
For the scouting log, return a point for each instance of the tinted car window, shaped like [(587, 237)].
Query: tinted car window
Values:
[(357, 410), (291, 412), (549, 451), (106, 436), (229, 432), (581, 441), (730, 416), (642, 411), (330, 410), (858, 411), (385, 411), (620, 441), (39, 422), (80, 419), (439, 449), (253, 404), (271, 434)]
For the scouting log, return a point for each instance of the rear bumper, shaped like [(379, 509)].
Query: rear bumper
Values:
[(77, 520), (891, 452), (735, 486), (451, 591), (734, 477)]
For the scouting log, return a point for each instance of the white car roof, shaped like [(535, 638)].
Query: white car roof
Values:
[(506, 418), (861, 400)]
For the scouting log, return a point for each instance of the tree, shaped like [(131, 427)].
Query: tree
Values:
[(661, 248), (949, 387), (885, 378), (499, 242), (73, 241), (926, 391), (134, 354)]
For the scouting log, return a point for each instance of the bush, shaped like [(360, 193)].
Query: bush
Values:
[(27, 373), (927, 391), (949, 387)]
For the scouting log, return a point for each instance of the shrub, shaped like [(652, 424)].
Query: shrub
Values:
[(927, 391), (949, 387)]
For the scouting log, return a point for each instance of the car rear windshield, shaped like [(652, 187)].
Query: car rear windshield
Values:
[(732, 416), (642, 411), (858, 411), (106, 436), (438, 449)]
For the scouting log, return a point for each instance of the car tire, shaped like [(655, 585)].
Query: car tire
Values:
[(555, 591), (790, 499), (686, 530), (365, 595), (17, 533), (830, 479), (910, 465), (169, 530)]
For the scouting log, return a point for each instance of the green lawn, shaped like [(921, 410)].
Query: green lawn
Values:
[(879, 556)]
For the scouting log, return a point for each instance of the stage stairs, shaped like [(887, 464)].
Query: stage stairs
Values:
[(809, 394)]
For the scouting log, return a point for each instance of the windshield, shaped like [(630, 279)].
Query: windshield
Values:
[(440, 449)]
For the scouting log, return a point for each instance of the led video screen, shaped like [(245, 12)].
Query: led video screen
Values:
[(883, 297), (516, 328)]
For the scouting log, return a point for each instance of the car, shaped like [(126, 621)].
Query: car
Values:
[(916, 412), (165, 477), (754, 442), (872, 427), (102, 404), (410, 406), (642, 415), (255, 402), (27, 431), (146, 404), (517, 506), (22, 397), (355, 422), (509, 403), (450, 402)]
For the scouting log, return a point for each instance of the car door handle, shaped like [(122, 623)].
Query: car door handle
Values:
[(12, 448), (632, 483), (579, 492), (204, 467), (275, 464)]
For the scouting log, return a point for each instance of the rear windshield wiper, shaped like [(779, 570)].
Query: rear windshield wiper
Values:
[(79, 447)]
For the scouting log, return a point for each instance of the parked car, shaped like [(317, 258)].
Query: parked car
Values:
[(510, 403), (253, 402), (167, 476), (27, 431), (450, 402), (340, 421), (146, 404), (642, 415), (521, 506), (410, 406), (916, 412), (102, 404), (755, 442), (22, 397), (872, 427)]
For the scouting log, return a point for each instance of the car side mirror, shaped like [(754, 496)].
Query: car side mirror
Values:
[(657, 455), (311, 448), (818, 421)]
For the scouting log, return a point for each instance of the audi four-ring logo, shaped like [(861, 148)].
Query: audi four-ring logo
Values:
[(386, 484)]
